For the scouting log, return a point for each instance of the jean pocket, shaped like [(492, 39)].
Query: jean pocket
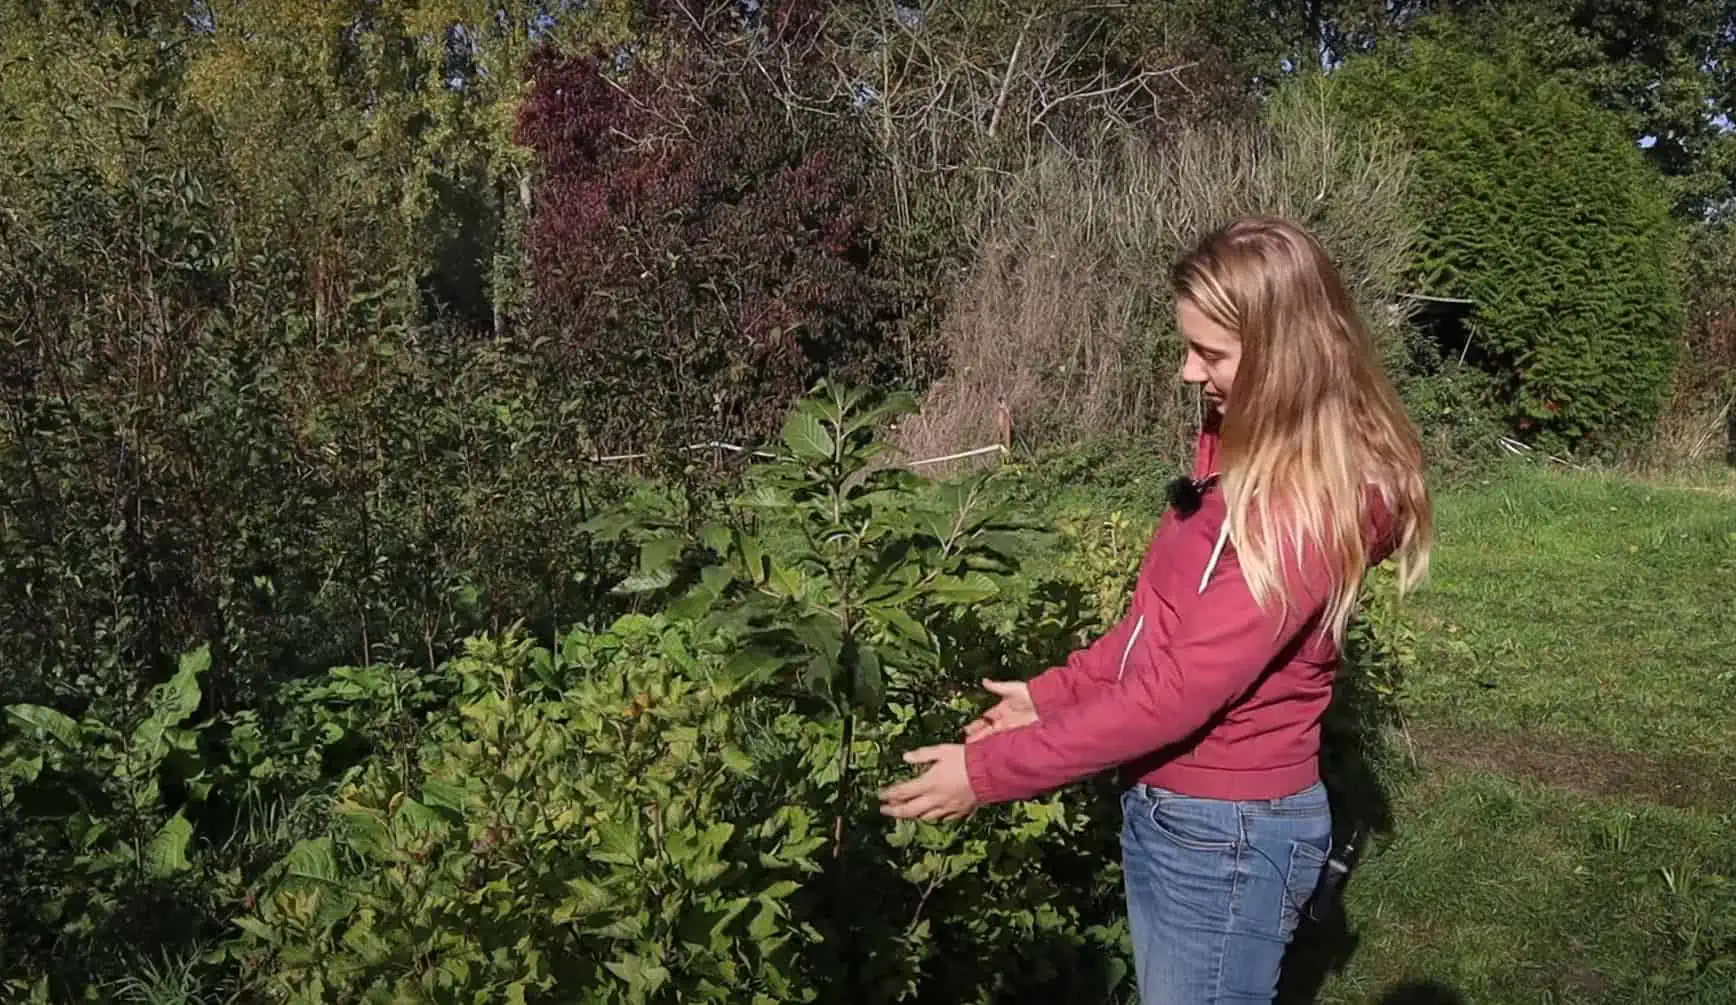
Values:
[(1196, 825), (1307, 863)]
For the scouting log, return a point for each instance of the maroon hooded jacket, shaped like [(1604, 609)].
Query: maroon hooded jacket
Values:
[(1198, 690)]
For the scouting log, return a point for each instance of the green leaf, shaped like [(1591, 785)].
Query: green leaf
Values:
[(764, 496), (938, 524), (736, 760), (752, 663), (641, 976), (765, 923), (166, 855), (444, 795), (867, 683), (646, 582), (618, 842), (901, 623), (819, 633), (787, 581), (180, 696), (753, 556), (610, 524), (716, 578), (47, 720), (971, 588), (313, 860), (807, 438), (365, 831), (717, 537), (173, 700), (894, 406), (588, 899), (420, 819), (658, 554)]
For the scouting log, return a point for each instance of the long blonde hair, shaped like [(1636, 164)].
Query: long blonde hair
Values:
[(1312, 423)]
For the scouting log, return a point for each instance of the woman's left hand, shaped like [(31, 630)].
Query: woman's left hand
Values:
[(942, 792)]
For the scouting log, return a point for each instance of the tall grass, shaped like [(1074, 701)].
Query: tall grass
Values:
[(1064, 319)]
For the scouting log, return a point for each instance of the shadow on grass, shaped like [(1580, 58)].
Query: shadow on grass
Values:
[(1357, 756), (1422, 993)]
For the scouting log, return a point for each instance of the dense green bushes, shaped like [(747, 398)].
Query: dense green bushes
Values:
[(676, 807), (213, 430), (1532, 202)]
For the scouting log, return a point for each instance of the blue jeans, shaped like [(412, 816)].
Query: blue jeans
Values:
[(1215, 890)]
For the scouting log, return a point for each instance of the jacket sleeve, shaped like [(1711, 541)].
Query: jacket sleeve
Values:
[(1223, 644), (1090, 669), (1085, 671)]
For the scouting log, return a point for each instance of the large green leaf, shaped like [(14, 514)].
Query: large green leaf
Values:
[(903, 624), (787, 582), (970, 588), (642, 976), (617, 842), (753, 558), (166, 854), (445, 796), (867, 682), (312, 861), (180, 696), (172, 701), (658, 554), (717, 537), (807, 438), (646, 582), (364, 830), (49, 721)]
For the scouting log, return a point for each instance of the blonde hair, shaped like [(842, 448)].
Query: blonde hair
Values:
[(1311, 424)]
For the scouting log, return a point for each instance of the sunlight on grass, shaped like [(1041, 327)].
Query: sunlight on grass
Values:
[(1583, 605), (1513, 892)]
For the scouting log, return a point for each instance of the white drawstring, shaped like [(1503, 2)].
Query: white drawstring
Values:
[(1217, 553)]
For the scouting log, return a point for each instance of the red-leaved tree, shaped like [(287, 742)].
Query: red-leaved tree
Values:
[(701, 238)]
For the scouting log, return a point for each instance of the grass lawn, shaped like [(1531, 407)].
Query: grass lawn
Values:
[(1591, 607), (1568, 833)]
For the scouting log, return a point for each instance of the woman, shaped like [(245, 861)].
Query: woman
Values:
[(1209, 694)]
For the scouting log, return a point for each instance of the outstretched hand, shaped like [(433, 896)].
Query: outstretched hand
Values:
[(1011, 712), (943, 792)]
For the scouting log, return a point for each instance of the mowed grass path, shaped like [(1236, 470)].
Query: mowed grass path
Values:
[(1569, 834)]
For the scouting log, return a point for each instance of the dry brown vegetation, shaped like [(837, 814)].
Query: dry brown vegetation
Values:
[(1065, 314)]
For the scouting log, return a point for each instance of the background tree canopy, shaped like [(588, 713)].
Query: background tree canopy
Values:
[(1529, 203)]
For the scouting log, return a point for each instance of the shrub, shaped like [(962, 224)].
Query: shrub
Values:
[(574, 821), (1535, 204), (679, 806), (96, 823), (683, 808), (702, 250), (1696, 426)]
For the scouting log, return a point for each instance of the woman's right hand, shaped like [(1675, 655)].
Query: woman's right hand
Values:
[(1012, 711)]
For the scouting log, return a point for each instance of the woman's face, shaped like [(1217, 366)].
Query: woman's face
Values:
[(1212, 353)]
